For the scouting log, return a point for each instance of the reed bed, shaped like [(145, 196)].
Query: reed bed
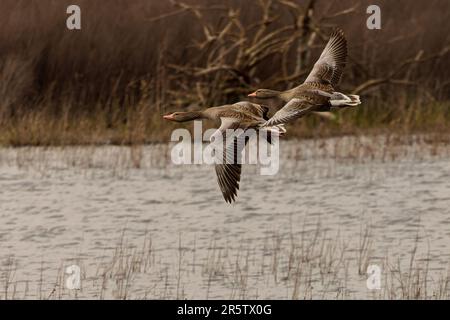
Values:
[(312, 264), (118, 161), (110, 82)]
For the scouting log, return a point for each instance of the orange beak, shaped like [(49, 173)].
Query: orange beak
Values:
[(252, 94), (168, 116)]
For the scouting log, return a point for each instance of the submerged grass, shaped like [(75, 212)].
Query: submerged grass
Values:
[(306, 261), (313, 264)]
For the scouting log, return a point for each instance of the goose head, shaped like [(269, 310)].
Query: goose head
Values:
[(183, 116), (265, 94)]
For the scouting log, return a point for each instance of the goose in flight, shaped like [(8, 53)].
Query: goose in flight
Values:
[(317, 93), (241, 115)]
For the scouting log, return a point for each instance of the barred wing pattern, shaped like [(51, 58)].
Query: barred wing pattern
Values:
[(331, 63), (229, 169), (295, 108)]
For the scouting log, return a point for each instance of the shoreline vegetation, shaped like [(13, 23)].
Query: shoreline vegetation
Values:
[(120, 160), (41, 129), (111, 81)]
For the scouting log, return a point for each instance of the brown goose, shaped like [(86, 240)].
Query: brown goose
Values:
[(317, 92), (242, 115)]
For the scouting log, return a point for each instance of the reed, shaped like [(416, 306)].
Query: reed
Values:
[(110, 82), (320, 267)]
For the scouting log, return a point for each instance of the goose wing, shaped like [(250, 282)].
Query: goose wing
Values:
[(253, 109), (330, 66), (228, 169), (295, 108)]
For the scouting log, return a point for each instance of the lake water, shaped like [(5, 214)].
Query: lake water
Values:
[(140, 227)]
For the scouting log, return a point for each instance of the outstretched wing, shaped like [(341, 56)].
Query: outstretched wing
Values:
[(330, 66), (229, 170), (292, 110)]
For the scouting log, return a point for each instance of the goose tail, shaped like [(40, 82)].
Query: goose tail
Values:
[(274, 131), (340, 100)]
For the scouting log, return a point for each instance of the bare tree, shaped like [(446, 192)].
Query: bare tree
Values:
[(229, 52)]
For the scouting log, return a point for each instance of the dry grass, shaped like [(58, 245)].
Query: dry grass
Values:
[(312, 264), (117, 161), (111, 81)]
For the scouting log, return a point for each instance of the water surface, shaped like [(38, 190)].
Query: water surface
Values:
[(80, 205)]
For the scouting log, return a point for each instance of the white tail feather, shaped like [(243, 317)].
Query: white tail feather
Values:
[(277, 130), (341, 100)]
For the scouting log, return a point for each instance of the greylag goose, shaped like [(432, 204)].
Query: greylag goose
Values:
[(317, 93), (241, 115)]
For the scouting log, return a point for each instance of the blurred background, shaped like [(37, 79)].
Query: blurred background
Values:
[(133, 61)]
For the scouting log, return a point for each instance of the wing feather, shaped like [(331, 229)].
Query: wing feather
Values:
[(331, 63), (294, 109), (229, 170)]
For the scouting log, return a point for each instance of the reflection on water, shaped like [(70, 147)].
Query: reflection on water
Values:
[(336, 206)]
